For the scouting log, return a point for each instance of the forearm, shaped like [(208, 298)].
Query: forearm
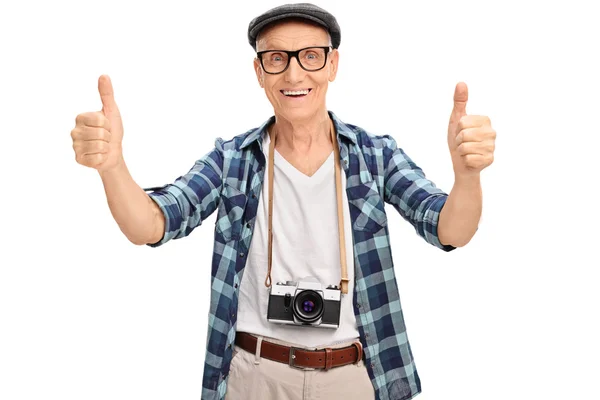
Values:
[(137, 215), (460, 215)]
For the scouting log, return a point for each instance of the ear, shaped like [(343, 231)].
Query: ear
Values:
[(333, 61), (260, 74)]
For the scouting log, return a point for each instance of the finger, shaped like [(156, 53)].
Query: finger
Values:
[(461, 96), (478, 161), (91, 160), (473, 121), (91, 147), (475, 135), (106, 91), (481, 148), (94, 118), (91, 133)]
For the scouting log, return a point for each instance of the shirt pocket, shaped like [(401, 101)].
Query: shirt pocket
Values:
[(230, 213), (366, 207)]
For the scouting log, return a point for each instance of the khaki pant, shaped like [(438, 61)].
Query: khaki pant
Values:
[(252, 377)]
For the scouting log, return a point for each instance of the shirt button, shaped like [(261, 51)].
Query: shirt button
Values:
[(248, 225), (372, 365), (241, 254), (366, 335), (358, 305), (235, 285), (229, 346), (253, 196)]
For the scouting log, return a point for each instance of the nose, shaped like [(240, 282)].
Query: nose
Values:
[(294, 72)]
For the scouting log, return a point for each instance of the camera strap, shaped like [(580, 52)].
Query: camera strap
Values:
[(338, 186)]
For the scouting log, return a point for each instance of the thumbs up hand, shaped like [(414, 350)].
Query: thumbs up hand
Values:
[(98, 135), (471, 138)]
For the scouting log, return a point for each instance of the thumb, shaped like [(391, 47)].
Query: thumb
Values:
[(109, 106), (461, 95)]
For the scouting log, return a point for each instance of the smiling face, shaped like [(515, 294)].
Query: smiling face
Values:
[(297, 95)]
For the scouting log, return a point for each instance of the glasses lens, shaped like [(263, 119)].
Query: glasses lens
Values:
[(274, 61), (313, 58)]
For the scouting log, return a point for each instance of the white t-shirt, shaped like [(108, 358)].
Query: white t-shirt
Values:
[(305, 243)]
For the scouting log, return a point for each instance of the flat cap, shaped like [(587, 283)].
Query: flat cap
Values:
[(298, 10)]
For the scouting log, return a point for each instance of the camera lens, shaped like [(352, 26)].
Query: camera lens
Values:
[(308, 306)]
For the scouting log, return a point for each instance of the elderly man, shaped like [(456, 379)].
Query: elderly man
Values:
[(299, 199)]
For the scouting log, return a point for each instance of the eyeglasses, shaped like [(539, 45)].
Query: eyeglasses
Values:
[(309, 58)]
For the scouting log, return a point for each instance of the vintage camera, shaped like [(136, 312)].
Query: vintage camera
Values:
[(304, 303)]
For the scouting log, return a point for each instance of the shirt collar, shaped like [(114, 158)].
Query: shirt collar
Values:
[(341, 129)]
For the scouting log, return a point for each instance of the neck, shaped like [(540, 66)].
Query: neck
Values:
[(302, 137)]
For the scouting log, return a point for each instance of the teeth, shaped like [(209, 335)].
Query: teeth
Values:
[(295, 92)]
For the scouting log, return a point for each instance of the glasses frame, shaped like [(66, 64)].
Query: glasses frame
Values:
[(292, 54)]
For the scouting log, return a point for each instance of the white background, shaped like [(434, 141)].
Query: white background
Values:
[(84, 314)]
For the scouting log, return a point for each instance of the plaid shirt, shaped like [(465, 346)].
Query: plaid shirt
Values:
[(229, 179)]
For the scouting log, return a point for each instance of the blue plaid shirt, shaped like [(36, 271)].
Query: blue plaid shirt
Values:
[(229, 179)]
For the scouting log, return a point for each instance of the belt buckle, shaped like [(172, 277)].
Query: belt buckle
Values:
[(292, 359)]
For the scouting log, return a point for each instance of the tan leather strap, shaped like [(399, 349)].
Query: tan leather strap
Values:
[(297, 357), (338, 185)]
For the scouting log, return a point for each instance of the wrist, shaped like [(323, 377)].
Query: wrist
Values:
[(467, 179), (117, 169)]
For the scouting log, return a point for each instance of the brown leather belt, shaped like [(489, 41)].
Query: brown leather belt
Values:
[(301, 358)]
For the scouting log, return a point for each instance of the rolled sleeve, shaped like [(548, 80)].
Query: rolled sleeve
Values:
[(191, 199), (430, 224), (415, 197), (167, 203)]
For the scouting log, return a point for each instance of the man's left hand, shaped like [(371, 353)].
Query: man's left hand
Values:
[(471, 138)]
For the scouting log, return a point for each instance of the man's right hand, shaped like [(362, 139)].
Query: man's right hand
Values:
[(98, 135)]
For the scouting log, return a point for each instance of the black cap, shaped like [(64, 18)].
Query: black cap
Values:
[(299, 10)]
